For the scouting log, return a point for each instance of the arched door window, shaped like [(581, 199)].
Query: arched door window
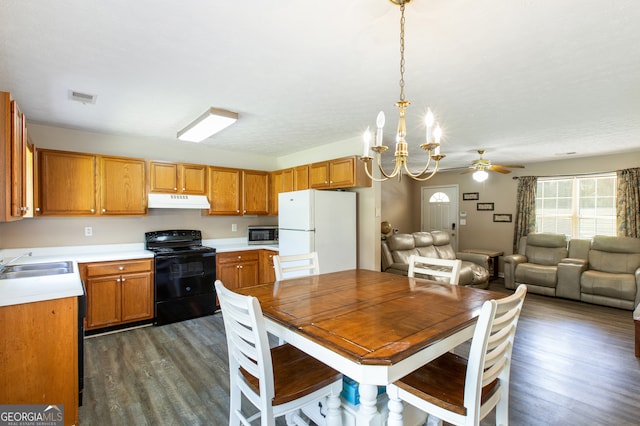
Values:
[(439, 197)]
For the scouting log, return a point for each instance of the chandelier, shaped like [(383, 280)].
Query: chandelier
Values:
[(432, 142)]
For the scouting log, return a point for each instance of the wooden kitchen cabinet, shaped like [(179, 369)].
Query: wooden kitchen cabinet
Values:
[(344, 172), (122, 186), (267, 273), (281, 181), (177, 178), (238, 268), (79, 184), (301, 178), (39, 355), (225, 191), (67, 183), (13, 160), (255, 192), (118, 292), (237, 192)]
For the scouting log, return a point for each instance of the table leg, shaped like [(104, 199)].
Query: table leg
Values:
[(334, 413), (395, 408), (368, 412)]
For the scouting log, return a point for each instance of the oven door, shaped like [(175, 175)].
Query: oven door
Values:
[(184, 275)]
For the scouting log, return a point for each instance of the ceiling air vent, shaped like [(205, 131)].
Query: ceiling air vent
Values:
[(85, 98)]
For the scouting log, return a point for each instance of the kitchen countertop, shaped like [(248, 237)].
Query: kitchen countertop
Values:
[(35, 289)]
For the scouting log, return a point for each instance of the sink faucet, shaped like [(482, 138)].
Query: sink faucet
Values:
[(4, 265)]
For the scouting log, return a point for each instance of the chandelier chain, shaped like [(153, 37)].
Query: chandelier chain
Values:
[(402, 51)]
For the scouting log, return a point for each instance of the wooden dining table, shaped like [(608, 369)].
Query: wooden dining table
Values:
[(373, 327)]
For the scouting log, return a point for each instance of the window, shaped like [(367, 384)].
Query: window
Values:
[(577, 206), (439, 197)]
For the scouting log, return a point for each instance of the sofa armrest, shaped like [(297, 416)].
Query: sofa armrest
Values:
[(398, 268), (386, 259), (478, 259), (510, 264), (569, 272)]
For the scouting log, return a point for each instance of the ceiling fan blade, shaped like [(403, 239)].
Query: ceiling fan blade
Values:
[(469, 170), (499, 169), (512, 166)]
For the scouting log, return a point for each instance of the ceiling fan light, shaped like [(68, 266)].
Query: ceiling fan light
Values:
[(480, 175)]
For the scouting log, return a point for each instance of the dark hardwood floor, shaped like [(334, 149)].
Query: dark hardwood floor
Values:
[(573, 364)]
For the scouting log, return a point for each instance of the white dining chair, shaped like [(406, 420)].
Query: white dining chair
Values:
[(296, 265), (277, 381), (447, 268), (463, 391)]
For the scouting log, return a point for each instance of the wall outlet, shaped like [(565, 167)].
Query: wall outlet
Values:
[(88, 231), (234, 227)]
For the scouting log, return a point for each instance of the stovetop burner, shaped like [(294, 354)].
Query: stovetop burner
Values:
[(176, 242)]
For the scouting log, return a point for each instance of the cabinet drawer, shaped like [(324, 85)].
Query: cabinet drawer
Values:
[(237, 256), (119, 267)]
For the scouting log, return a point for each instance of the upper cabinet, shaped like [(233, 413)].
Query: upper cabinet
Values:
[(177, 178), (281, 181), (301, 178), (344, 172), (122, 186), (237, 192), (13, 159), (66, 183), (77, 184)]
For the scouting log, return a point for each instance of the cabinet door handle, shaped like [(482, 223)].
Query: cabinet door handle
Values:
[(175, 189), (93, 210), (118, 280), (121, 268), (124, 279), (240, 266), (104, 210)]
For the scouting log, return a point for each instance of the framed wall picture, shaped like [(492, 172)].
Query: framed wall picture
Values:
[(484, 206), (501, 217), (470, 195)]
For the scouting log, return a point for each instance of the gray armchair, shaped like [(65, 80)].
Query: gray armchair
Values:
[(536, 264)]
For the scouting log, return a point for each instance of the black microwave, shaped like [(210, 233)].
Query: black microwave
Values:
[(263, 234)]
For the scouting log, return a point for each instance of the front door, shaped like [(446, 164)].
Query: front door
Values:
[(440, 211)]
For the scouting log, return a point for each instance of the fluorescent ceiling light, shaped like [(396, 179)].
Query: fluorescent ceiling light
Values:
[(208, 124)]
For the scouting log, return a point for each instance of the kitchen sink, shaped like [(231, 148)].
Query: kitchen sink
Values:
[(28, 270)]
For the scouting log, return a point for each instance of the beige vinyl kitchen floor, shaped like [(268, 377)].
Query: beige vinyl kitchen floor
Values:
[(573, 364)]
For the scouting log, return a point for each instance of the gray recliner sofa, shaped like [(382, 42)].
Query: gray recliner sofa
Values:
[(397, 249), (603, 271)]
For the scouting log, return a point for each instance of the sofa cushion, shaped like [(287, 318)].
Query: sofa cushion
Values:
[(443, 245), (617, 286), (618, 255), (546, 249), (402, 246), (540, 275)]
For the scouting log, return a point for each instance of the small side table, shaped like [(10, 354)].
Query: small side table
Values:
[(493, 259)]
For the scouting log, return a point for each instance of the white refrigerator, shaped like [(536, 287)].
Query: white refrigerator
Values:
[(320, 221)]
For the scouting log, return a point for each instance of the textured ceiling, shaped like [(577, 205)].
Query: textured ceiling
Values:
[(527, 80)]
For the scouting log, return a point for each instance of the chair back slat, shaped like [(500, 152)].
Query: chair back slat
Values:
[(291, 266), (435, 267), (491, 347), (247, 339)]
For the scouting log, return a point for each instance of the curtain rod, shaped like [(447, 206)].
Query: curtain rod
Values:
[(570, 175)]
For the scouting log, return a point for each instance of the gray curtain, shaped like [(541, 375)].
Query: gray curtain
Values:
[(525, 209), (628, 204)]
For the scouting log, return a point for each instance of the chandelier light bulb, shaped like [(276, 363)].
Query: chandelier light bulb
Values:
[(379, 124), (437, 133), (367, 142)]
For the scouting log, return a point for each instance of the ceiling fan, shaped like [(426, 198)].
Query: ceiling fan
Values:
[(481, 166)]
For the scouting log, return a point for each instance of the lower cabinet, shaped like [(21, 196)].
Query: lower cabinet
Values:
[(267, 274), (39, 355), (118, 292), (238, 268)]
